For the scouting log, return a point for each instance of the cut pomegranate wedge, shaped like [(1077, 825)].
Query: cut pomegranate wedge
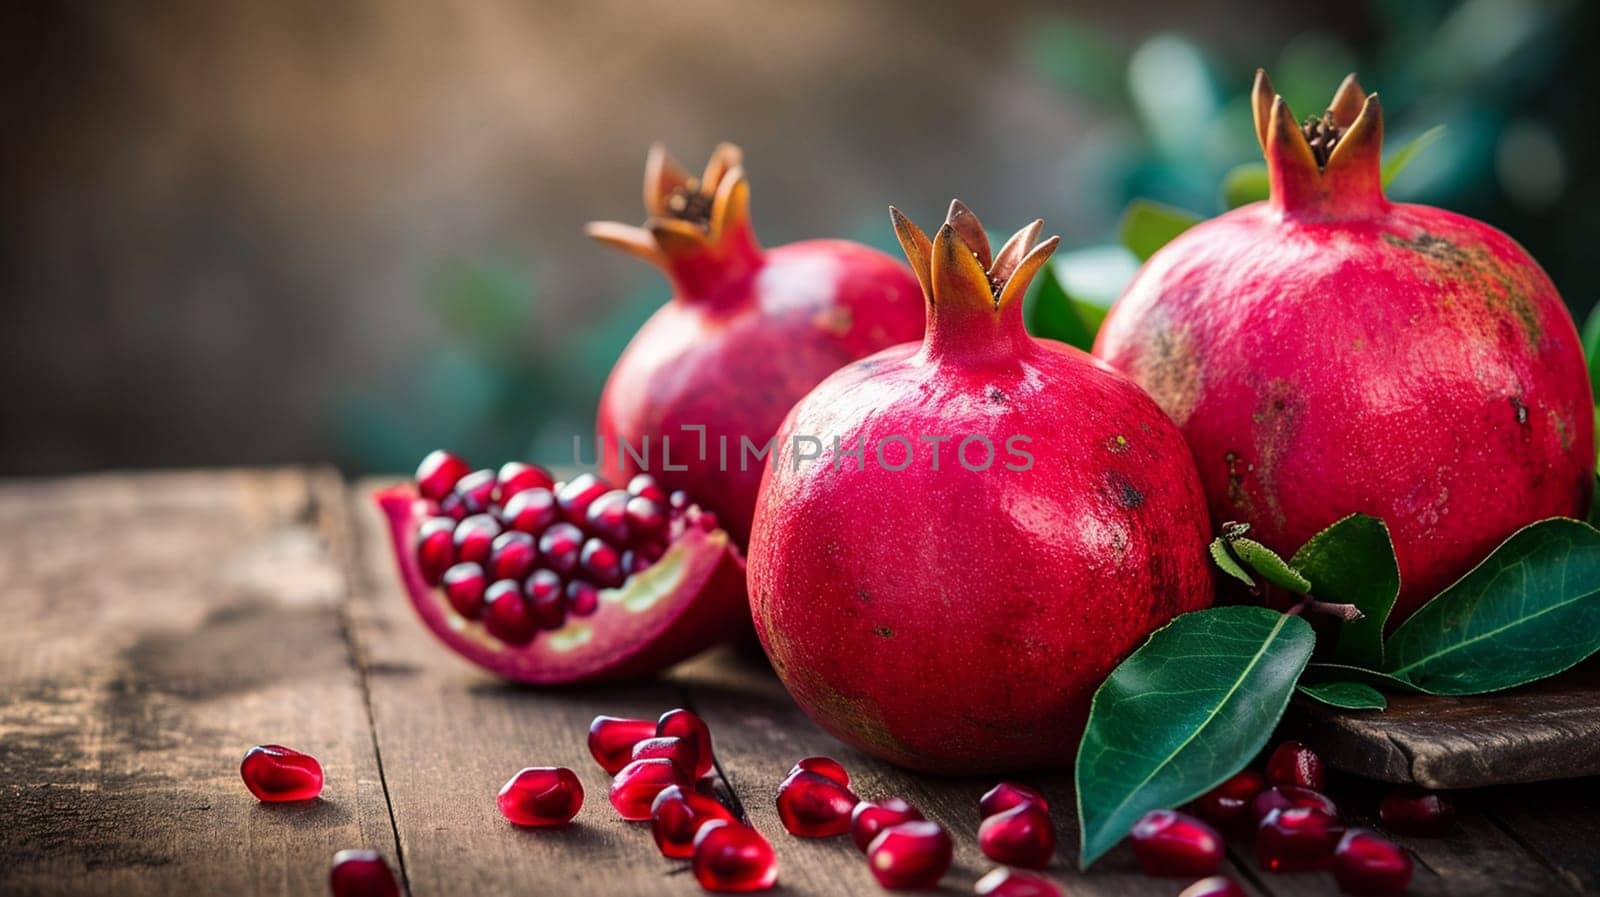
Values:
[(550, 583)]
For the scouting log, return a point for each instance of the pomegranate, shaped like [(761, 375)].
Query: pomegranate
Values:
[(1021, 836), (277, 774), (732, 856), (705, 383), (361, 873), (1368, 865), (873, 816), (954, 612), (1295, 764), (676, 817), (1010, 883), (1169, 843), (1408, 810), (910, 856), (541, 796), (551, 583), (1328, 352)]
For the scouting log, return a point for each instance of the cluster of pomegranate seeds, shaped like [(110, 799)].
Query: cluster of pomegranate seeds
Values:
[(276, 774), (732, 856), (815, 800), (361, 873), (1370, 865), (541, 796), (677, 816), (1172, 844), (1010, 883), (520, 553), (873, 816), (1016, 828), (910, 856), (1408, 810)]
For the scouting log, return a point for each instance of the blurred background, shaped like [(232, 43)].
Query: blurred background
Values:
[(245, 233)]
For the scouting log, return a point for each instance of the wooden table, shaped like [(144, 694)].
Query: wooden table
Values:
[(153, 627)]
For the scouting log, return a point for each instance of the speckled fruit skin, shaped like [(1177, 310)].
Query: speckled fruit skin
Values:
[(959, 621), (1329, 352), (747, 333)]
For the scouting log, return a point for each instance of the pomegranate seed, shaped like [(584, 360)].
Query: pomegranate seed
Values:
[(706, 520), (361, 873), (1215, 886), (1010, 883), (531, 510), (1297, 839), (684, 724), (516, 477), (611, 740), (634, 562), (1369, 865), (544, 591), (602, 563), (1409, 810), (576, 496), (541, 796), (1295, 764), (645, 486), (823, 766), (560, 545), (583, 598), (635, 788), (454, 507), (438, 474), (1021, 836), (464, 586), (1282, 797), (508, 617), (676, 816), (678, 500), (1006, 795), (683, 753), (276, 774), (1177, 845), (607, 516), (910, 855), (475, 538), (436, 547), (512, 556), (871, 817), (644, 516), (811, 805), (476, 491), (1229, 805), (731, 856)]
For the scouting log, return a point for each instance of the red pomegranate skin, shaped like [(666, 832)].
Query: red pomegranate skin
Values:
[(1329, 352), (747, 333), (955, 620)]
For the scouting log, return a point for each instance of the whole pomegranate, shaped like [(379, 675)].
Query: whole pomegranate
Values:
[(1328, 352), (703, 386), (958, 539)]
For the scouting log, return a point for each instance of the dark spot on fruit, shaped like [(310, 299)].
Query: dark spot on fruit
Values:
[(1126, 494), (1483, 273), (884, 632), (1520, 409), (863, 595), (998, 396), (1169, 370)]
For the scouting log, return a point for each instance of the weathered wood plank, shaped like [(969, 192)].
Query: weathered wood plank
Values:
[(152, 628), (1559, 822)]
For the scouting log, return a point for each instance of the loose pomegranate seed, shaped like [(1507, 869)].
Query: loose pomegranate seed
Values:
[(910, 855), (611, 740), (531, 511), (512, 556), (508, 617), (1297, 839), (560, 546), (545, 592), (684, 754), (676, 816), (635, 788), (678, 500), (1215, 886), (812, 805), (516, 477), (453, 506), (1176, 845), (276, 774), (731, 856), (1006, 795), (871, 817), (645, 486), (1409, 810), (602, 563), (1021, 836), (576, 496), (1295, 764), (824, 766), (476, 491), (1229, 805), (1010, 883), (475, 538), (438, 474), (436, 547), (361, 873), (541, 796), (607, 516), (684, 724), (1369, 865), (1282, 797), (464, 586), (583, 598)]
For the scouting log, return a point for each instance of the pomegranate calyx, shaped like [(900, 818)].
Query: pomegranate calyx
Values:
[(1329, 165)]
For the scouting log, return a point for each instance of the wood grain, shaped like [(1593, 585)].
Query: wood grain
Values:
[(152, 629)]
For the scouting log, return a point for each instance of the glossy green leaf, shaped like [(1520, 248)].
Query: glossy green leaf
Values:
[(1340, 672), (1528, 611), (1147, 226), (1245, 184), (1403, 156), (1070, 297), (1591, 347), (1228, 564), (1272, 568), (1346, 695), (1050, 314), (1353, 562), (1185, 711)]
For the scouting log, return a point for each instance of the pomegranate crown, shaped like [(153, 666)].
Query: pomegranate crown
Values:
[(1328, 166), (956, 267)]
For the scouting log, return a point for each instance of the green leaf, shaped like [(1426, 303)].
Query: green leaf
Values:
[(1353, 562), (1272, 568), (1403, 156), (1070, 297), (1147, 226), (1245, 184), (1225, 560), (1339, 672), (1528, 611), (1346, 695), (1591, 347), (1049, 313), (1185, 711)]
